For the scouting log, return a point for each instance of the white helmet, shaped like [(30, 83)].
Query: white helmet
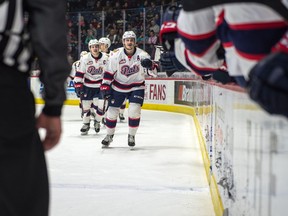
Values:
[(83, 53), (129, 34), (93, 42), (105, 40)]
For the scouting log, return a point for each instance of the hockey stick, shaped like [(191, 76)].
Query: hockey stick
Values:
[(105, 105)]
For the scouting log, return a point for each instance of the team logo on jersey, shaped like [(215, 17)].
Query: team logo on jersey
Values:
[(138, 58), (122, 61), (127, 71), (90, 62), (93, 71)]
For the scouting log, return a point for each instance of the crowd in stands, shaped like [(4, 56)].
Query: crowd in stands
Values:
[(89, 19)]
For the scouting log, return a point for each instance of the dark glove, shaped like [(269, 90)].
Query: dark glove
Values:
[(268, 83), (222, 76), (79, 89), (105, 91), (168, 31), (147, 63), (170, 63)]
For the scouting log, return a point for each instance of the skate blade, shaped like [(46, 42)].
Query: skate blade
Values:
[(131, 148), (84, 133)]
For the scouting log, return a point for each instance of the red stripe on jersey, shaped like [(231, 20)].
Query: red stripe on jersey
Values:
[(255, 26), (198, 36), (227, 44), (220, 18), (250, 56), (204, 52)]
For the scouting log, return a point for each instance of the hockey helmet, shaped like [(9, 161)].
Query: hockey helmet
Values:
[(93, 42), (129, 34), (106, 41)]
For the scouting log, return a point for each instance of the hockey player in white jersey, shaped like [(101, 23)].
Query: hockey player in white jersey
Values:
[(124, 78), (105, 43), (75, 67), (87, 81)]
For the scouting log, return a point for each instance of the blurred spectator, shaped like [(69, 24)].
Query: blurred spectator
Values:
[(114, 38), (155, 27), (94, 22), (98, 6), (152, 40), (89, 37), (120, 32), (141, 40), (82, 23), (93, 30), (90, 4), (157, 19)]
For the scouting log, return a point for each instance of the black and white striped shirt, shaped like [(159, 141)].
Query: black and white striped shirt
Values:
[(15, 50)]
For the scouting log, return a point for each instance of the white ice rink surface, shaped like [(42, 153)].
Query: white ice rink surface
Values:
[(162, 176)]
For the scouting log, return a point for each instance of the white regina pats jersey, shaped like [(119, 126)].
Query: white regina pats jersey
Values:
[(74, 69), (125, 74), (91, 69)]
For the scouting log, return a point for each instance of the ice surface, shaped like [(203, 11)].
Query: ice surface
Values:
[(162, 176)]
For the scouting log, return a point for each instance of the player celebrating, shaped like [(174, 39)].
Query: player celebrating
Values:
[(75, 67), (124, 78), (87, 84), (104, 44)]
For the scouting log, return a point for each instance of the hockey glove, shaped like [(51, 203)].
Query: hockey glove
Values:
[(147, 63), (222, 76), (79, 89), (168, 31), (170, 64), (105, 91), (268, 83)]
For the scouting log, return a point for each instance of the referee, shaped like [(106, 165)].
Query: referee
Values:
[(29, 28)]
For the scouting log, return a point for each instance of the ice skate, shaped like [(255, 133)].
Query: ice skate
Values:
[(97, 126), (131, 141), (85, 128), (121, 117), (107, 140)]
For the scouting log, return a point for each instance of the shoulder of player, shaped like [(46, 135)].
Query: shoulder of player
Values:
[(142, 53), (105, 55), (85, 57), (115, 53)]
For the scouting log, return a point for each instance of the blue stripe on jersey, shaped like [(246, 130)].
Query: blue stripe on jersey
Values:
[(108, 76), (198, 70), (198, 46), (256, 42), (79, 74), (88, 81), (223, 32), (129, 86)]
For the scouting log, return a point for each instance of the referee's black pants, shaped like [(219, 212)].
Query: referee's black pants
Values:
[(23, 173)]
